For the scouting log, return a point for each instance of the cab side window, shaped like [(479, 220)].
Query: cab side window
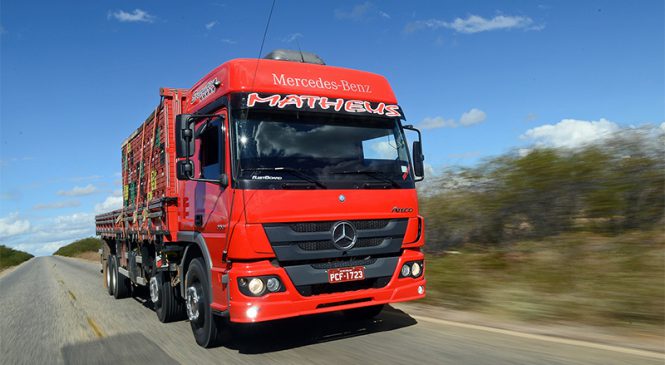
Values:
[(211, 154)]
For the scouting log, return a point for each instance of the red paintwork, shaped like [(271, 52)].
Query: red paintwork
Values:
[(247, 246)]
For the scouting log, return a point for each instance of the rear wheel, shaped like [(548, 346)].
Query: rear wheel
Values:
[(168, 303), (120, 282), (364, 312), (206, 327), (108, 272)]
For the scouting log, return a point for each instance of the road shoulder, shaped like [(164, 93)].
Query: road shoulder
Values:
[(646, 344)]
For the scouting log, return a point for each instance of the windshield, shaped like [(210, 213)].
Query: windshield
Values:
[(286, 149)]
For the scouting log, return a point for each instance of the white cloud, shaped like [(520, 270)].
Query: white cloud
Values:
[(12, 160), (384, 15), (79, 191), (429, 170), (383, 150), (52, 233), (292, 37), (473, 116), (211, 24), (110, 203), (437, 122), (356, 13), (58, 205), (662, 126), (228, 41), (524, 151), (476, 24), (12, 226), (570, 133), (137, 16)]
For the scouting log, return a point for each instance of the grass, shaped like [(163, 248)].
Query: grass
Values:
[(79, 247), (586, 278), (10, 257)]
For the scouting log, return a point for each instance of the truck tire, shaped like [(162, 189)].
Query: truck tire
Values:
[(120, 282), (108, 270), (206, 327), (363, 313), (168, 303)]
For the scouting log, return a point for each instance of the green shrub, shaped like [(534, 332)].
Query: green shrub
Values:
[(89, 244), (10, 257)]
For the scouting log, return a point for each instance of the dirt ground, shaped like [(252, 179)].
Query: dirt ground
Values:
[(90, 255)]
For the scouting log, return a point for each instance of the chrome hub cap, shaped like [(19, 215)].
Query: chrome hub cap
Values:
[(192, 301), (154, 289), (108, 274), (113, 277)]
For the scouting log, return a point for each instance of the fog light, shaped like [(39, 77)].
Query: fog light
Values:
[(421, 289), (256, 286), (406, 270), (273, 284), (252, 312), (415, 269)]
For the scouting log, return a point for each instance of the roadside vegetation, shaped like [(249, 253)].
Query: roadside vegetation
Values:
[(554, 234), (85, 248), (10, 257)]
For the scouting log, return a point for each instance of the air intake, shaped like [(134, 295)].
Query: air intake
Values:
[(294, 56)]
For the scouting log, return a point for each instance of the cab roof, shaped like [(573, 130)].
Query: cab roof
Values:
[(288, 77)]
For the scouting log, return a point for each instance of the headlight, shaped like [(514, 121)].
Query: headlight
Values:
[(406, 270), (272, 284), (416, 269), (256, 286)]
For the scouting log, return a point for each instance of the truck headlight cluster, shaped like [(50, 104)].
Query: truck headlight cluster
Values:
[(411, 269), (260, 285)]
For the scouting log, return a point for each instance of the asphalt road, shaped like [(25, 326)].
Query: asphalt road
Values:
[(55, 310)]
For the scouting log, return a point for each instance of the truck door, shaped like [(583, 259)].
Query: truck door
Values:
[(211, 199)]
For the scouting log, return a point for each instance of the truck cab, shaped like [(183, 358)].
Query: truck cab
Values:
[(294, 195)]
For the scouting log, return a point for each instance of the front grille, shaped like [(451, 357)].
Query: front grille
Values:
[(343, 263), (310, 227), (316, 245), (326, 288), (328, 245)]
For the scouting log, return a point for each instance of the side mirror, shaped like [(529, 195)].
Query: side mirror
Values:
[(184, 135), (418, 158), (184, 170)]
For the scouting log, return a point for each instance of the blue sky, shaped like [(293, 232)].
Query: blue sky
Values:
[(482, 78)]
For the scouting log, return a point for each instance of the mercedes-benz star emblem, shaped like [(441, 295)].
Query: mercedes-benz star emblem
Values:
[(344, 235)]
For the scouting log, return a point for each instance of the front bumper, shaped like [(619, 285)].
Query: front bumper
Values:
[(291, 303)]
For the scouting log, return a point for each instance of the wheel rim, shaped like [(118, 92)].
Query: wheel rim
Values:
[(154, 289), (193, 301), (113, 275), (108, 273)]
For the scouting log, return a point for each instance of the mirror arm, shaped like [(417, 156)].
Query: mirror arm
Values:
[(421, 157), (412, 128)]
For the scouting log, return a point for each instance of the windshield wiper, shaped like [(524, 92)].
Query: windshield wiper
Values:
[(290, 170), (378, 175)]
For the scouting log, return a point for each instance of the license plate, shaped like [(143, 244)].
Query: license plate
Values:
[(346, 274)]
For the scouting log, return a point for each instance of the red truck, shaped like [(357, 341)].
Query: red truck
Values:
[(273, 188)]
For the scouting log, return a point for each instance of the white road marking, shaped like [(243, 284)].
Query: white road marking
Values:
[(624, 350)]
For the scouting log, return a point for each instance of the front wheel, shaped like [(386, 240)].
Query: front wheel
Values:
[(206, 327), (364, 312)]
